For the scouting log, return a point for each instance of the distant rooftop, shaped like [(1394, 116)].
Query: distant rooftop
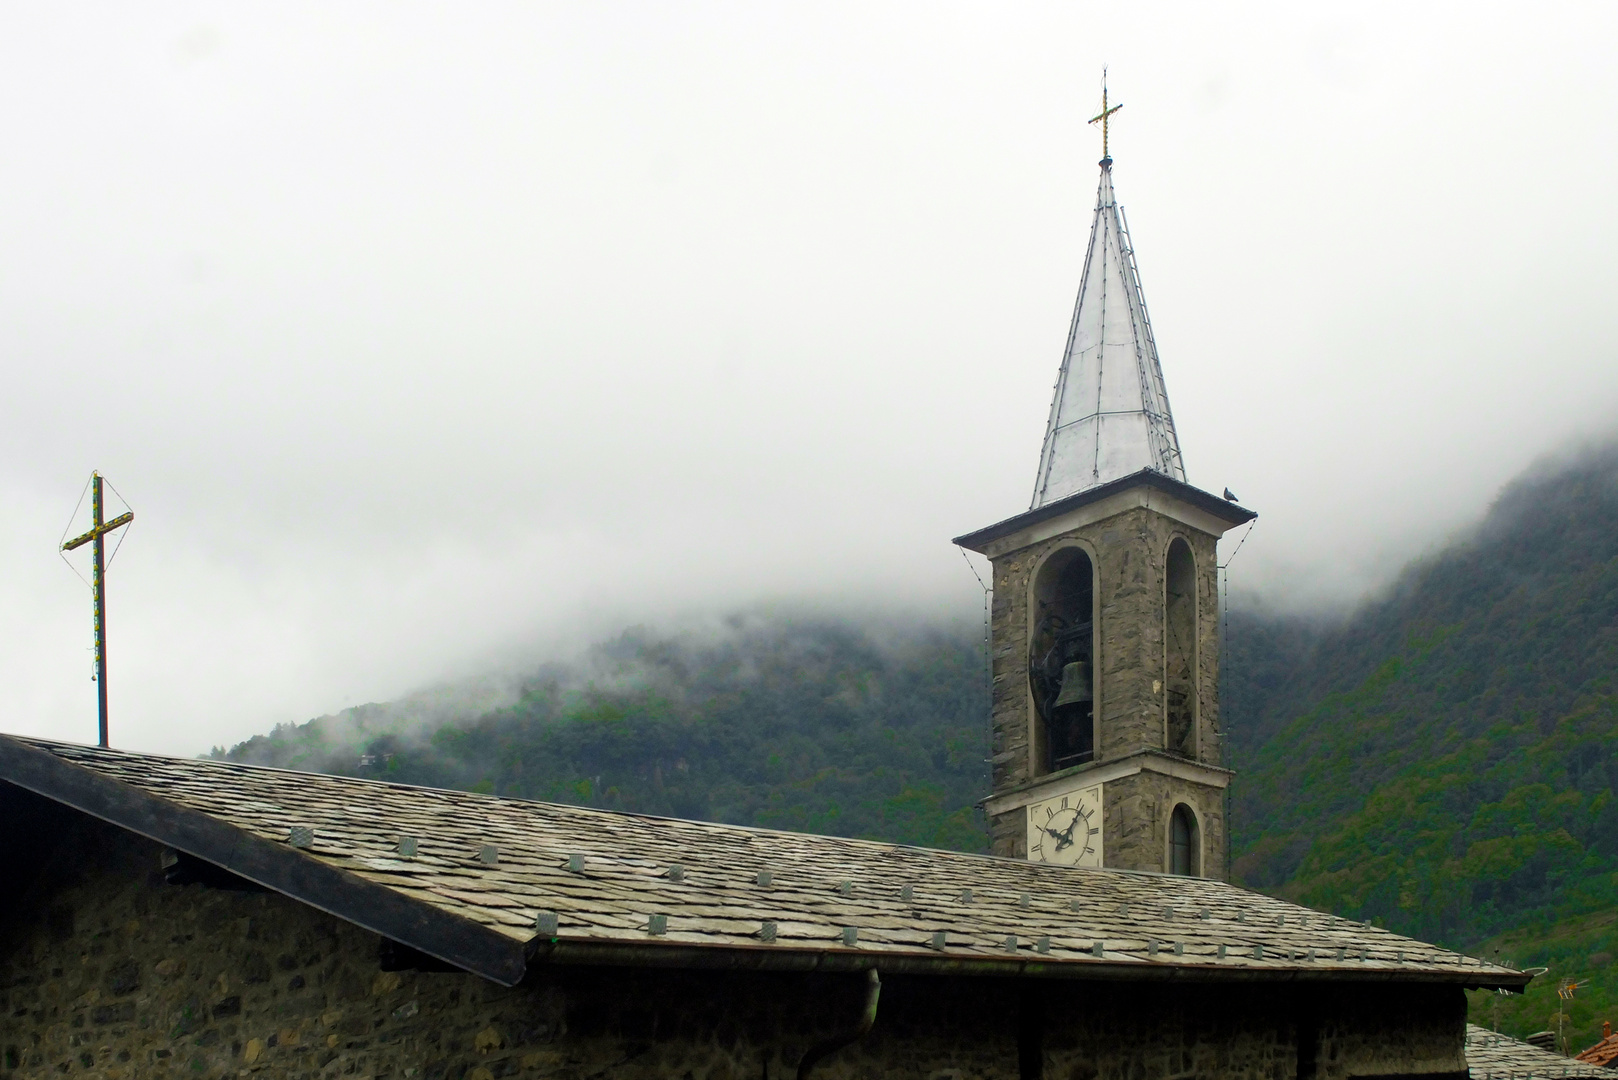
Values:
[(1603, 1054), (1491, 1056)]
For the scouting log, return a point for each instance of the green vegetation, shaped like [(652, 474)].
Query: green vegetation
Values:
[(1581, 947), (1443, 760), (804, 724)]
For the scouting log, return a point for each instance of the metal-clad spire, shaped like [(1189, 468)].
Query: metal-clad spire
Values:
[(1110, 415)]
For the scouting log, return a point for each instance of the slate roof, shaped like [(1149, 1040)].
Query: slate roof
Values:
[(1490, 1056), (494, 884)]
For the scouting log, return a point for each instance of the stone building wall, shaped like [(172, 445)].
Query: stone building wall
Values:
[(1008, 834), (1129, 551), (107, 971), (1136, 822), (1113, 1031)]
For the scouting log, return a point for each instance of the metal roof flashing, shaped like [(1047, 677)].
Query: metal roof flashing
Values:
[(1109, 409), (1176, 498)]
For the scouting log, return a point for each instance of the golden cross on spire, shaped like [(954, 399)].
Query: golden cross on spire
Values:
[(1102, 118)]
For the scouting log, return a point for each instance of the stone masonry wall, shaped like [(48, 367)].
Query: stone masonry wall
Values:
[(1113, 1030), (1136, 822), (106, 971), (1129, 550)]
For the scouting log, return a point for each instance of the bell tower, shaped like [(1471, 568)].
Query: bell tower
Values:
[(1105, 621)]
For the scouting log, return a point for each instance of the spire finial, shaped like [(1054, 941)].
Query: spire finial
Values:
[(1106, 156)]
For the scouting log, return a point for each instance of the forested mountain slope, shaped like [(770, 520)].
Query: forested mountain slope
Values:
[(1445, 760), (809, 723)]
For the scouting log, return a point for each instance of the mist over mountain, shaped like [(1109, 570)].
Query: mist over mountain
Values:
[(792, 721)]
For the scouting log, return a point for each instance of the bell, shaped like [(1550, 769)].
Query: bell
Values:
[(1075, 685)]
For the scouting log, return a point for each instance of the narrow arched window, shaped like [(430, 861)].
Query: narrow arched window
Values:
[(1061, 661), (1180, 650), (1184, 843)]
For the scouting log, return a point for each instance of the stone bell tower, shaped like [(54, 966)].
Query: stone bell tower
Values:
[(1105, 627)]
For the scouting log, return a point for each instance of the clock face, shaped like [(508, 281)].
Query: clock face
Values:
[(1066, 829)]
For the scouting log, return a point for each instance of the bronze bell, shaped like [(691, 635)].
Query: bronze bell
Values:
[(1075, 684)]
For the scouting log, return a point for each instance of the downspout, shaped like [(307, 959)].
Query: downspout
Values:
[(873, 990)]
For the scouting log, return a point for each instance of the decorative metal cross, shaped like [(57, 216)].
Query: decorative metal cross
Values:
[(98, 584), (1102, 118)]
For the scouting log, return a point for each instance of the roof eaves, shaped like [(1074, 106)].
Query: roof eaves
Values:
[(450, 938), (777, 958), (1202, 500)]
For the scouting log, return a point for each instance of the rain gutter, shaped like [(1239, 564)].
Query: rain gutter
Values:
[(561, 952), (862, 1027)]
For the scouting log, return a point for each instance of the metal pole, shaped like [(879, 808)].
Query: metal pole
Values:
[(99, 589)]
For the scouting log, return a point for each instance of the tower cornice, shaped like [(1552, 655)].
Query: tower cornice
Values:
[(1176, 498), (1147, 759)]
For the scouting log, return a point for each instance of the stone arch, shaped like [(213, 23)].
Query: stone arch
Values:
[(1185, 842), (1180, 649), (1062, 659)]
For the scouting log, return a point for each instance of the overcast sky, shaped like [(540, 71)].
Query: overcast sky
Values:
[(426, 338)]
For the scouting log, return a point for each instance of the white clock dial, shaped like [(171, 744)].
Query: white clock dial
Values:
[(1066, 829)]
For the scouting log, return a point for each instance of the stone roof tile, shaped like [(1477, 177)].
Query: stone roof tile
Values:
[(1491, 1056), (606, 881)]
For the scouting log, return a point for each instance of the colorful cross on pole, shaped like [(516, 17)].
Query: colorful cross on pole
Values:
[(98, 584)]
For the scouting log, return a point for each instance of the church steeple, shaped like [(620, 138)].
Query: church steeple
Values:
[(1108, 750), (1110, 414)]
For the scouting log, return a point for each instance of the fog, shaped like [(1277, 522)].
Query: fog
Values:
[(428, 341)]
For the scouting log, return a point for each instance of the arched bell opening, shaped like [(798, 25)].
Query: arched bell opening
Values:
[(1061, 661), (1180, 639), (1185, 843)]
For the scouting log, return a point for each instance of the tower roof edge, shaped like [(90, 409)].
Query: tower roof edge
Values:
[(1222, 510)]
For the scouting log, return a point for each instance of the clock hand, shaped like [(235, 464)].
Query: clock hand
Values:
[(1067, 834)]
